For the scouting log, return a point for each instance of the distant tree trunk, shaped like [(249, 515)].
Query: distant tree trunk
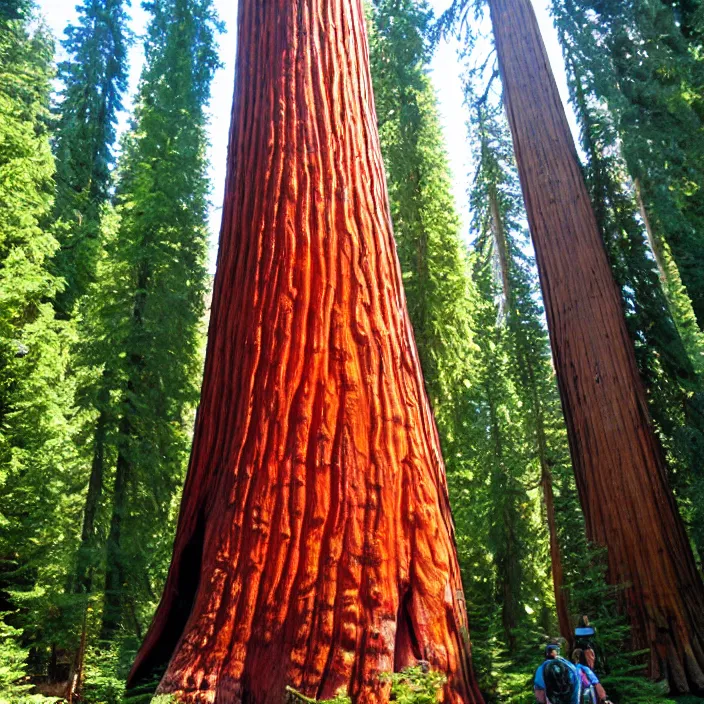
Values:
[(83, 581), (618, 463), (558, 573), (497, 230), (315, 543), (115, 575), (507, 560), (114, 568), (655, 247)]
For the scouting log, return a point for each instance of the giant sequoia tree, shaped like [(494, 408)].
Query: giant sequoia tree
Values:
[(315, 539), (618, 462), (666, 351)]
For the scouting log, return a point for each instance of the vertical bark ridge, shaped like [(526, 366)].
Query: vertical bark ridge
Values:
[(315, 466), (618, 463)]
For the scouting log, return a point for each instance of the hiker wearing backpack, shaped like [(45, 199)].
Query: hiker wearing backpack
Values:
[(585, 640), (557, 680), (593, 691)]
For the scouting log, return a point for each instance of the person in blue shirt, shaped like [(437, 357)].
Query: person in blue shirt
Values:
[(570, 686), (590, 682)]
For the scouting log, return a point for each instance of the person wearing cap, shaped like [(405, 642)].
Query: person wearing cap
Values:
[(552, 654)]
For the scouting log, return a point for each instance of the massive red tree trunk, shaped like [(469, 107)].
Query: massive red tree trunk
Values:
[(618, 463), (315, 543)]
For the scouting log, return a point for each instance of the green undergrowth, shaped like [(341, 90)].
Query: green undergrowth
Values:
[(414, 685)]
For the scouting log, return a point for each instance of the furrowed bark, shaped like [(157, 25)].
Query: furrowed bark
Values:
[(618, 463), (315, 543)]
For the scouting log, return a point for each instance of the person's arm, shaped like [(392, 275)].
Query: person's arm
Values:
[(539, 686), (594, 682), (601, 693)]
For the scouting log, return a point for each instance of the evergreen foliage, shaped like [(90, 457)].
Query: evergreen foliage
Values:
[(426, 224), (152, 293), (638, 63), (413, 685), (94, 78), (525, 446), (13, 668), (38, 460), (98, 409)]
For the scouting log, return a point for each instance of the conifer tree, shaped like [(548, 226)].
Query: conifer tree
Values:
[(94, 77), (426, 225), (153, 296), (499, 215), (38, 464)]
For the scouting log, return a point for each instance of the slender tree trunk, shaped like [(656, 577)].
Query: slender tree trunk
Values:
[(114, 569), (315, 543), (506, 558), (497, 230), (86, 552), (501, 246), (652, 239), (618, 463), (558, 573)]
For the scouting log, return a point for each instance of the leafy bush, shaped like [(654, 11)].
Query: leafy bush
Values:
[(414, 685), (104, 681), (14, 686)]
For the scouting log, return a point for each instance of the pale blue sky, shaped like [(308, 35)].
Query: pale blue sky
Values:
[(445, 74)]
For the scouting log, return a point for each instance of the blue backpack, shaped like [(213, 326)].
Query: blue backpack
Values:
[(560, 682)]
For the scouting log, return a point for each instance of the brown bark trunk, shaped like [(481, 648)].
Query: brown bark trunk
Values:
[(315, 543), (113, 602), (618, 464), (558, 574)]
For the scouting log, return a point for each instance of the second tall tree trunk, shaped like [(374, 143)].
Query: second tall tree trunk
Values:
[(618, 463)]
